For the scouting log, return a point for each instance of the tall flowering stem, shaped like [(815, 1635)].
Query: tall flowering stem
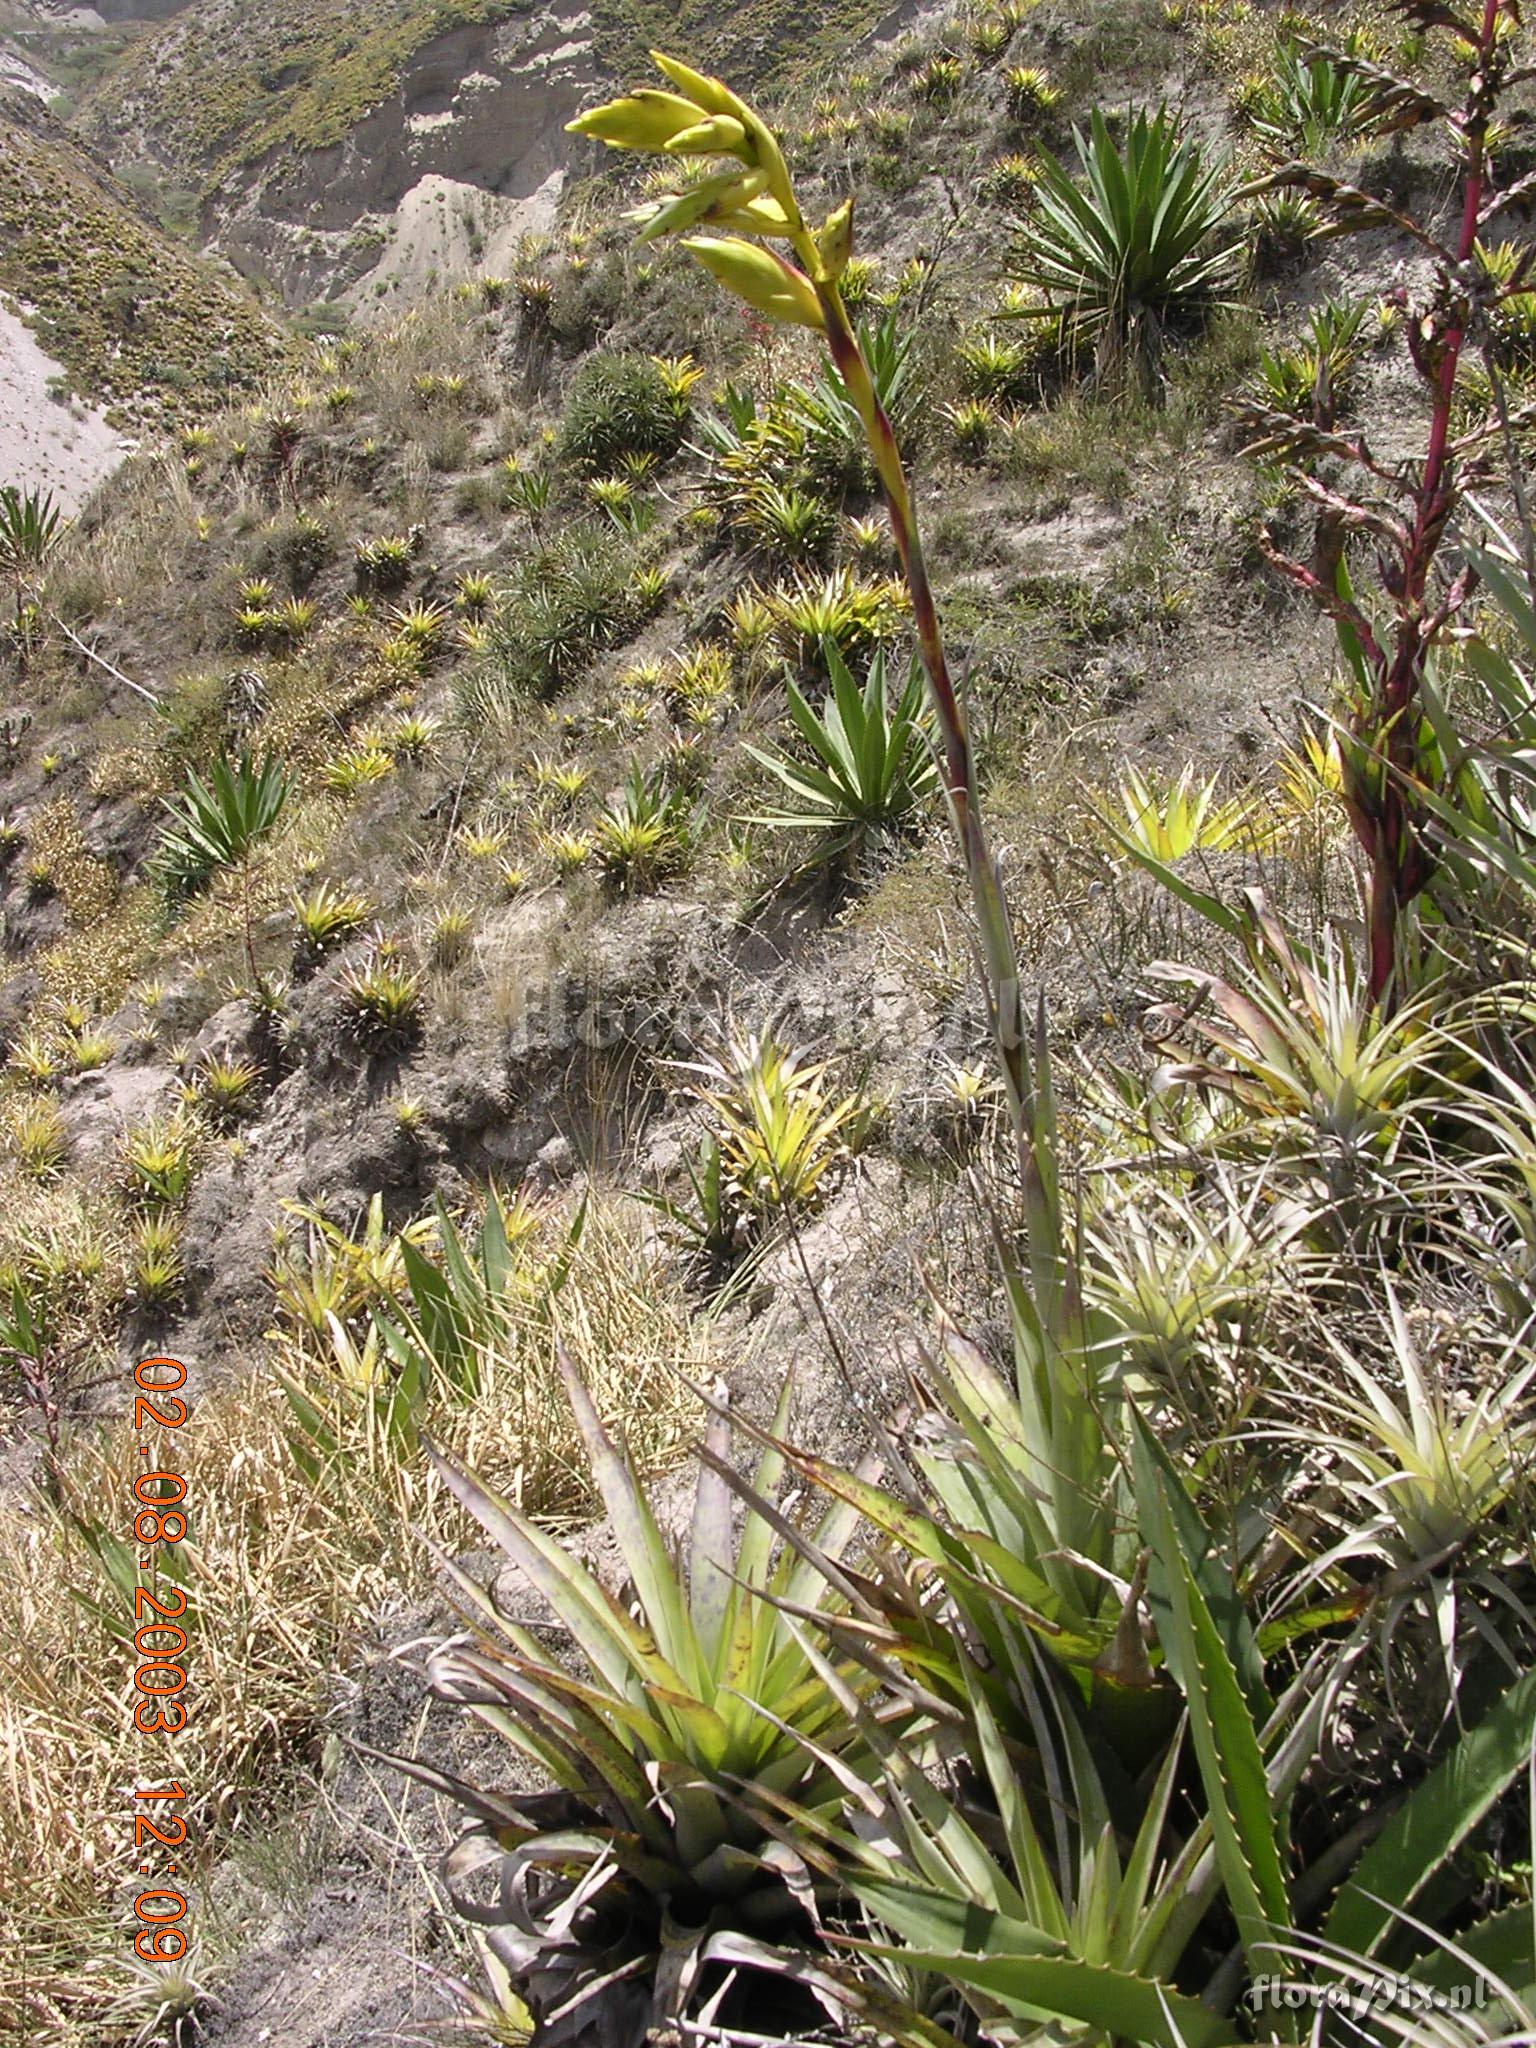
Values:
[(1388, 654), (1001, 978), (756, 198)]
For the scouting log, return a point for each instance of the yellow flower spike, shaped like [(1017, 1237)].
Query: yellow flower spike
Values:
[(760, 277), (728, 192), (835, 243), (763, 216), (708, 93), (761, 143), (647, 119), (720, 135), (671, 123)]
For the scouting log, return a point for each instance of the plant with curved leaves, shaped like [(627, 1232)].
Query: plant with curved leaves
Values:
[(220, 823), (32, 523), (324, 919), (1127, 251), (781, 1130), (1188, 1282), (844, 609), (1312, 378), (1052, 1876), (1311, 100), (337, 1272), (1184, 816), (1298, 1042), (697, 1708), (872, 765), (1432, 1453), (1482, 817), (645, 833), (384, 999)]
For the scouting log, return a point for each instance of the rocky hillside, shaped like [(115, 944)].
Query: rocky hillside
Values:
[(331, 158), (477, 895), (334, 155), (117, 315)]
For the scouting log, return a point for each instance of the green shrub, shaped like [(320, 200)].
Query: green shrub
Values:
[(326, 918), (620, 405), (1311, 101), (571, 599), (384, 562), (871, 764), (644, 834), (382, 998), (226, 1089)]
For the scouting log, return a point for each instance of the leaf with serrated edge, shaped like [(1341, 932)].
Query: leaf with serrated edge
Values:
[(1434, 1820)]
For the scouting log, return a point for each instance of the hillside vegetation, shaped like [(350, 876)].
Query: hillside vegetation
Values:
[(138, 322), (292, 78), (796, 956), (209, 97)]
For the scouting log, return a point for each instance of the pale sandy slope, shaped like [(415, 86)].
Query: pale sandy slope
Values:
[(57, 443)]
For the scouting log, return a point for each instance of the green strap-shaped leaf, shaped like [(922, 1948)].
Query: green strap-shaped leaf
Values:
[(710, 1579), (1434, 1820), (641, 1544), (495, 1252), (1205, 905), (1504, 1945), (613, 1643), (1108, 2000), (1211, 1575), (1244, 1831)]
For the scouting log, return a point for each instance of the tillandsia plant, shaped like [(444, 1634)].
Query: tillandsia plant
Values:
[(612, 1900), (1403, 509), (871, 767), (1064, 1875), (1131, 252), (221, 823)]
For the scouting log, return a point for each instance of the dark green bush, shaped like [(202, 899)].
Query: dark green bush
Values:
[(619, 405), (295, 543), (585, 300), (572, 599)]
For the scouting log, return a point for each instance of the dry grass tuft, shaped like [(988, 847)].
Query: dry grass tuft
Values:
[(282, 1576)]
